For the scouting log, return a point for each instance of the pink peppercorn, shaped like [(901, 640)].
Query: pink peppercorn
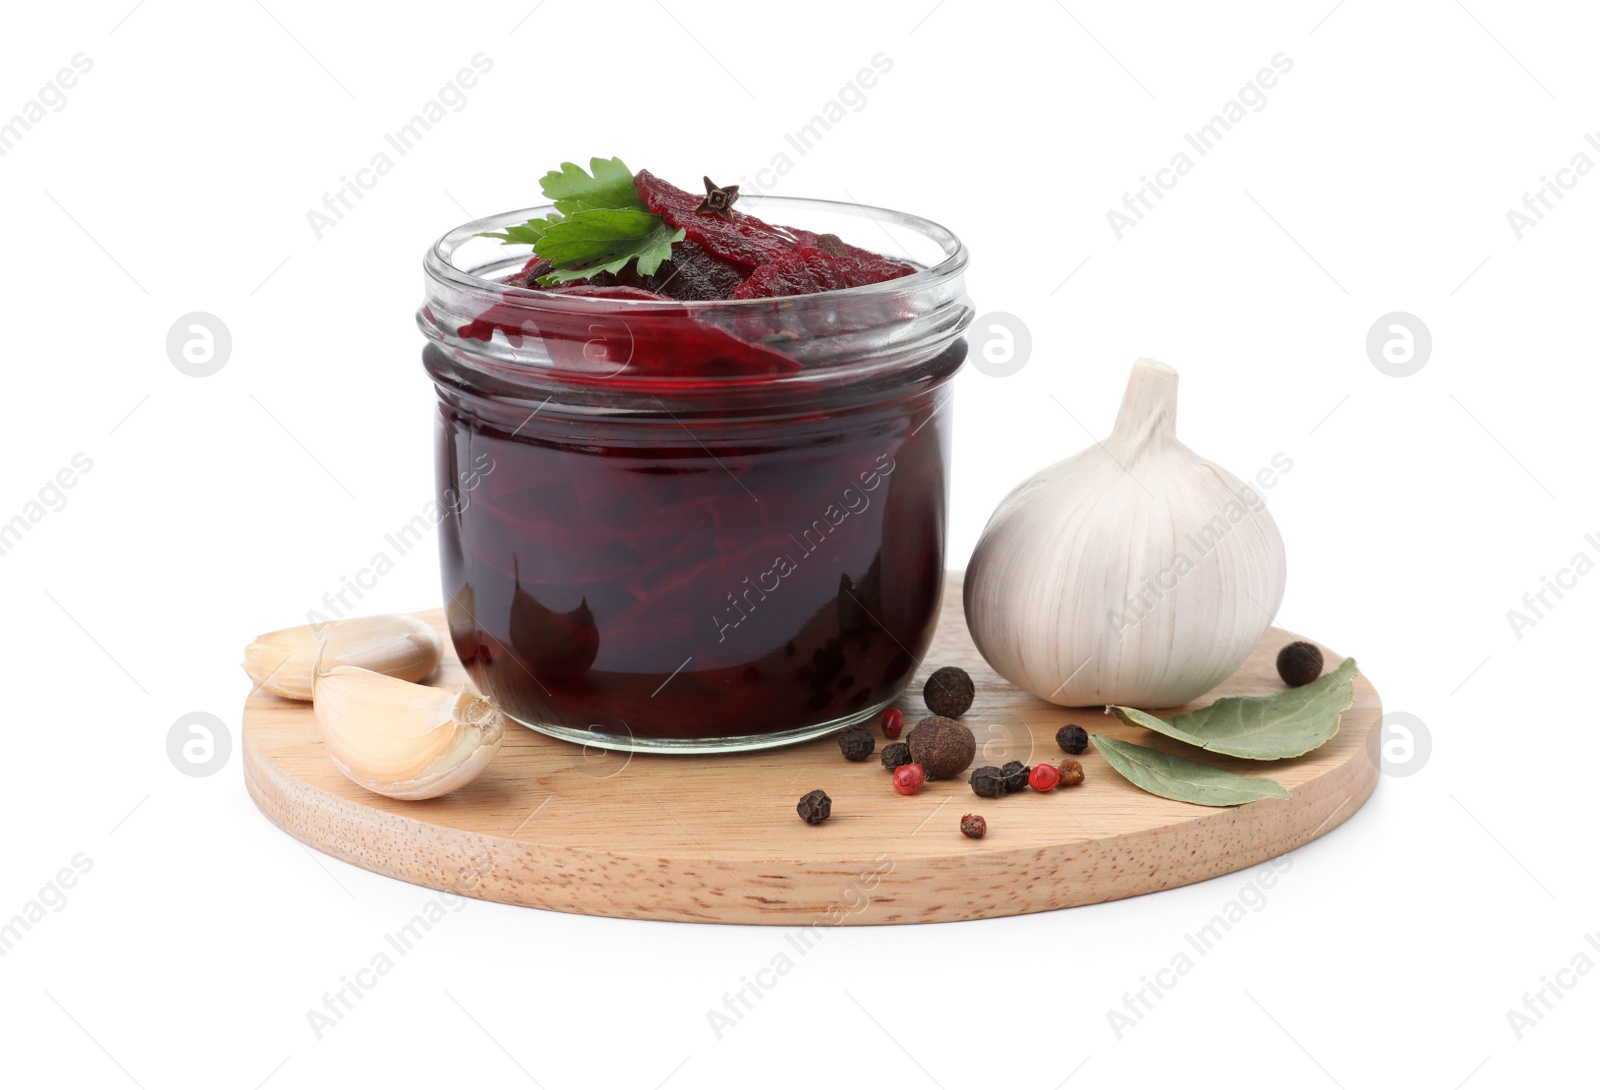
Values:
[(893, 720), (1044, 777), (908, 779)]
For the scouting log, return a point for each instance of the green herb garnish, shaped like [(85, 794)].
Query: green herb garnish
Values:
[(604, 240), (599, 225), (529, 233), (609, 185)]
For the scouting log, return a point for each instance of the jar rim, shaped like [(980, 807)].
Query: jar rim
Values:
[(439, 266)]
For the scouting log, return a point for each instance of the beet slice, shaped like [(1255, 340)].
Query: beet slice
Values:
[(886, 268), (694, 274), (742, 241), (616, 346), (807, 270)]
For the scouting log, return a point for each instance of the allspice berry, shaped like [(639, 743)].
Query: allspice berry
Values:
[(1071, 772), (941, 746), (974, 826), (814, 807), (1299, 663), (948, 692)]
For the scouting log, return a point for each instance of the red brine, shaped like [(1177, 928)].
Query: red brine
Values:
[(741, 580)]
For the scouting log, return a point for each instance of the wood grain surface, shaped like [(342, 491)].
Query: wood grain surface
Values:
[(716, 838)]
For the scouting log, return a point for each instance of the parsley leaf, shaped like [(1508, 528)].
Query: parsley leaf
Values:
[(599, 224), (528, 233), (604, 240), (574, 191)]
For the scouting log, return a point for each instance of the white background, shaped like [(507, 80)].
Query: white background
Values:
[(1376, 178)]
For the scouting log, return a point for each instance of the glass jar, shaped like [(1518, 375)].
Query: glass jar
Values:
[(694, 526)]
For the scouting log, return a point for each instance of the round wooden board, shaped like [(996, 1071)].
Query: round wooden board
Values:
[(716, 839)]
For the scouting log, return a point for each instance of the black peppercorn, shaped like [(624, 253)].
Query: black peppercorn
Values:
[(895, 754), (814, 807), (941, 746), (856, 743), (1072, 738), (974, 826), (1299, 663), (988, 782), (948, 692), (1015, 774)]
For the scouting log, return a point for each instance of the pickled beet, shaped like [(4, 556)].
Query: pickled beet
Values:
[(605, 346), (807, 269), (693, 275), (777, 260), (740, 240), (887, 268)]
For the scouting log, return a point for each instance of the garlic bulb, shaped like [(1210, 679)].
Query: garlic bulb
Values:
[(402, 740), (396, 644), (1135, 572)]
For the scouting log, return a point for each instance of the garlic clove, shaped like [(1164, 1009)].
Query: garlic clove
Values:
[(1135, 572), (395, 644), (403, 740)]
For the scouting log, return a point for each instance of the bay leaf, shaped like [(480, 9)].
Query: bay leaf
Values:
[(1181, 779), (1261, 728)]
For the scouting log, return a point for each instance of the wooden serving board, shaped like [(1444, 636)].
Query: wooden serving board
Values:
[(716, 838)]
